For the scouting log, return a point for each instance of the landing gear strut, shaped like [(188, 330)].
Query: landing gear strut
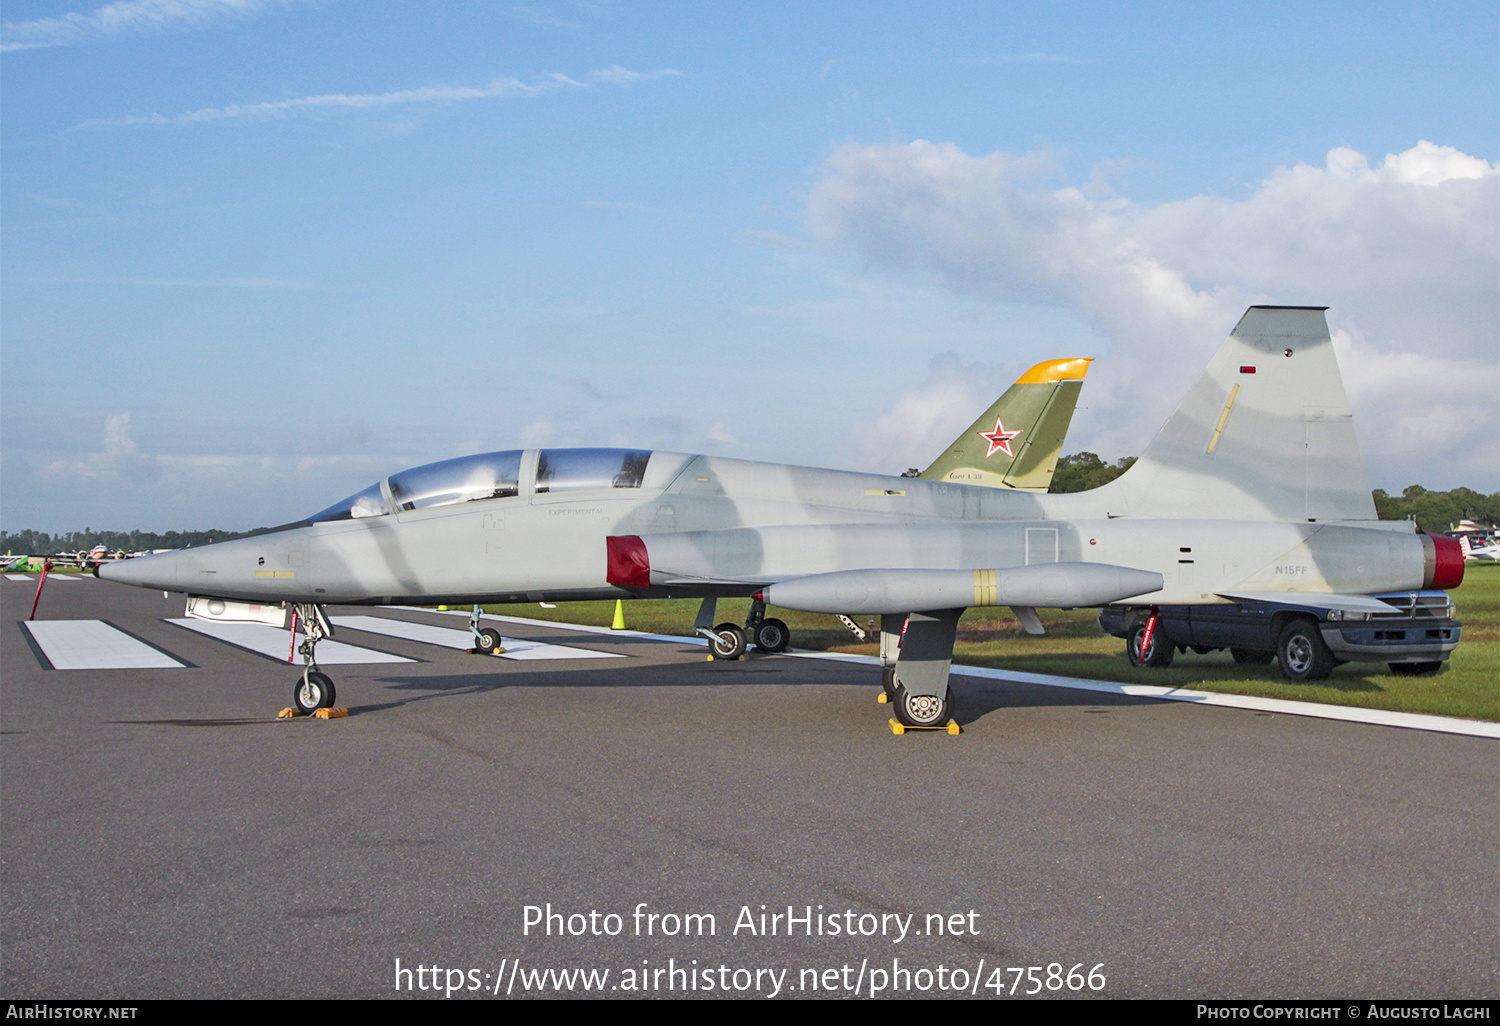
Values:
[(729, 641), (486, 639), (916, 652), (314, 689)]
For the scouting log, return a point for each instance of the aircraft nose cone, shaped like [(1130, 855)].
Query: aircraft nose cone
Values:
[(158, 571)]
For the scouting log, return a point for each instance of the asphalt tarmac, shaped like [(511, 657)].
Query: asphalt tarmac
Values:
[(163, 835)]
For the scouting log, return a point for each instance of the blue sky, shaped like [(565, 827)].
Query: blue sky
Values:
[(257, 254)]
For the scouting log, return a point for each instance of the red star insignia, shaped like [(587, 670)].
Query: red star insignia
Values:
[(998, 439)]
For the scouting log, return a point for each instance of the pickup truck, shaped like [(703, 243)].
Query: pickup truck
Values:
[(1308, 641)]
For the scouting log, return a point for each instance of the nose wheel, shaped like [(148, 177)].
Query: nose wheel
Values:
[(313, 691), (486, 639)]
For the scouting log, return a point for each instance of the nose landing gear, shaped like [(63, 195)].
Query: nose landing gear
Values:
[(313, 693), (487, 640)]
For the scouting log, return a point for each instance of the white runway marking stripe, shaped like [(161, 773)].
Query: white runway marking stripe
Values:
[(275, 642), (529, 622), (462, 640), (19, 577), (94, 645), (1317, 710)]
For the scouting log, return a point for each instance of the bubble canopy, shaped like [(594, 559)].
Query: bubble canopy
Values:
[(491, 475)]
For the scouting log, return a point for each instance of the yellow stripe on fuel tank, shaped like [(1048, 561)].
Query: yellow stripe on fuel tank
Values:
[(986, 590)]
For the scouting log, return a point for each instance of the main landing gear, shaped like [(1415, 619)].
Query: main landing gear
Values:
[(729, 641), (314, 689), (916, 653)]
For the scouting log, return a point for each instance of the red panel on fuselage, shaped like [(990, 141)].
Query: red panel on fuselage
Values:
[(629, 565)]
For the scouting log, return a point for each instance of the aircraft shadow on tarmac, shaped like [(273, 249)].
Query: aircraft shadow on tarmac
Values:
[(976, 698)]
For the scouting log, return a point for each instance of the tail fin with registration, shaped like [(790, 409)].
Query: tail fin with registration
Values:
[(1264, 434)]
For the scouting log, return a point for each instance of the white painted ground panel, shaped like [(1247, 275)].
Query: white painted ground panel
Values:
[(462, 640), (276, 643), (19, 577), (94, 645)]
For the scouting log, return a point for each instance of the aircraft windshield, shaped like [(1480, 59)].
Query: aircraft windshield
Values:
[(367, 503), (566, 470), (491, 475)]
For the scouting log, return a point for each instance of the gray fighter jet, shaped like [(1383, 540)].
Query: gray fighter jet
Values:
[(1254, 488)]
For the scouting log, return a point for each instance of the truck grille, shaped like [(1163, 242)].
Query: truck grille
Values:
[(1415, 606)]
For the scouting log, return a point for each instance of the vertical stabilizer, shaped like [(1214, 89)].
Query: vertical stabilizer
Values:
[(1016, 442), (1264, 434)]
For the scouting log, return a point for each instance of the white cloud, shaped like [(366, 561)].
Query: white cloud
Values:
[(1407, 253), (123, 485), (117, 439), (928, 417), (538, 433), (503, 87), (126, 17)]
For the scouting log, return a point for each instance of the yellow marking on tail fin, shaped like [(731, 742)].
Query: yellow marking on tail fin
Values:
[(1213, 443)]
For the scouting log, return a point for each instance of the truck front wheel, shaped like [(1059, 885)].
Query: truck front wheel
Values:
[(1302, 652)]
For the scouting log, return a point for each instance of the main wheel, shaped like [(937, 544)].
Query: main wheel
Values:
[(1302, 653), (921, 710), (1159, 654), (1414, 669), (1251, 656), (728, 641), (488, 640), (888, 683), (313, 692), (772, 636)]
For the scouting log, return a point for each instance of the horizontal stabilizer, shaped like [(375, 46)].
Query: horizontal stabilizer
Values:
[(1311, 600), (1048, 585)]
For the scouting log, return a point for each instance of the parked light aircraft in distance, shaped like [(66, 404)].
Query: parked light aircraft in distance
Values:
[(1479, 550), (1253, 490)]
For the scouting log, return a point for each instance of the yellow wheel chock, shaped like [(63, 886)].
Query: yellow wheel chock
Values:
[(898, 728)]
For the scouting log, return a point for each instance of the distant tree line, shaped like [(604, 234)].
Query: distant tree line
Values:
[(1439, 511), (40, 543), (1085, 470)]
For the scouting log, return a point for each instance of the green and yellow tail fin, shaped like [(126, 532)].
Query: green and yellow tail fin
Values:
[(1016, 442)]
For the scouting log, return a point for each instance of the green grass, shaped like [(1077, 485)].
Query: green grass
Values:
[(1467, 687)]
